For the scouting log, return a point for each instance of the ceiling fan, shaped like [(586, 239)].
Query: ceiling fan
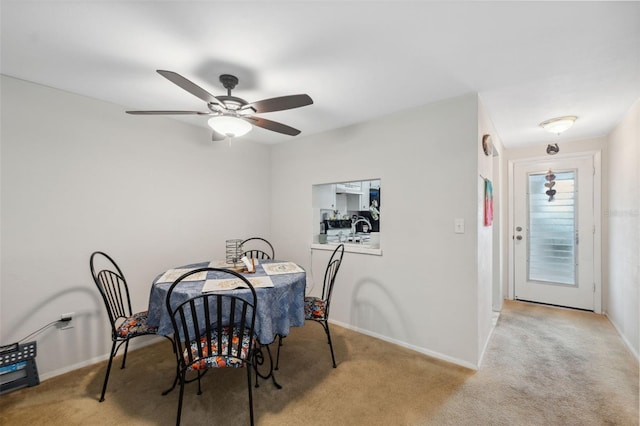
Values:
[(232, 116)]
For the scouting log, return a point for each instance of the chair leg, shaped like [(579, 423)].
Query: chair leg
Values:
[(325, 325), (250, 392), (257, 382), (175, 382), (257, 358), (280, 337), (173, 345), (126, 349), (182, 381), (199, 385), (106, 376), (175, 379)]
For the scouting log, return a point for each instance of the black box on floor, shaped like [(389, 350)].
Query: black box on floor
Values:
[(18, 366)]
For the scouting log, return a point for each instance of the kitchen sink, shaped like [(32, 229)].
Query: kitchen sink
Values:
[(360, 240), (368, 243), (357, 239)]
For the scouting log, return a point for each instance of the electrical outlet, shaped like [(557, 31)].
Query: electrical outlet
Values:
[(67, 317), (65, 323)]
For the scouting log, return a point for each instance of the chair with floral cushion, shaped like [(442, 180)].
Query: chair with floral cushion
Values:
[(258, 248), (213, 330), (125, 324), (317, 308)]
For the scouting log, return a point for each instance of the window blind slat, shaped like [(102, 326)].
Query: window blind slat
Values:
[(551, 242)]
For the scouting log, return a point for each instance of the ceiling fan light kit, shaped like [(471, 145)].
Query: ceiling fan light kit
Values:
[(559, 124), (232, 116), (229, 125)]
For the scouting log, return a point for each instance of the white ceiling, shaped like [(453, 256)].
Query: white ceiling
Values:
[(358, 60)]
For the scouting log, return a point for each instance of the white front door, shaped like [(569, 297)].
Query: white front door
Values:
[(554, 232)]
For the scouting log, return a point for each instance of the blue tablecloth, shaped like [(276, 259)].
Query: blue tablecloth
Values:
[(279, 307)]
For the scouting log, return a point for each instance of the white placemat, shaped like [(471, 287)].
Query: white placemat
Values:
[(173, 274), (233, 283), (240, 265), (223, 264), (281, 268)]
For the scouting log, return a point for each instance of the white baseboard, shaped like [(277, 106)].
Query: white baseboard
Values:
[(408, 346), (624, 339), (140, 343), (486, 344), (133, 345)]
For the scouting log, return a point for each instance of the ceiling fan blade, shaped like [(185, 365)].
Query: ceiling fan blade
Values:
[(281, 103), (217, 136), (272, 125), (190, 87), (168, 112)]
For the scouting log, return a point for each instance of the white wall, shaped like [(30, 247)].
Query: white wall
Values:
[(80, 175), (423, 291), (489, 271), (623, 218)]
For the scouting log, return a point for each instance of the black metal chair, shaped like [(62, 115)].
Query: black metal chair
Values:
[(317, 308), (125, 325), (213, 330), (263, 248)]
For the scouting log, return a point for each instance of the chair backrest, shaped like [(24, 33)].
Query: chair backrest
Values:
[(330, 275), (112, 286), (213, 327), (263, 248)]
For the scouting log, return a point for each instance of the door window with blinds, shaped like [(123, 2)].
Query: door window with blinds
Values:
[(552, 228)]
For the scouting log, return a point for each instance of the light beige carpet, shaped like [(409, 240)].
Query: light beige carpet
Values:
[(543, 366)]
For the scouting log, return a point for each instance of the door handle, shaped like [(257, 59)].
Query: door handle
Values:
[(518, 237)]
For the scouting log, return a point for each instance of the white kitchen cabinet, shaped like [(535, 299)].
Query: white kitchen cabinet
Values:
[(359, 201), (341, 203), (324, 196), (364, 198), (349, 188), (353, 202)]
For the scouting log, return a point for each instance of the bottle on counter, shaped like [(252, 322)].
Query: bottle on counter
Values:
[(322, 238)]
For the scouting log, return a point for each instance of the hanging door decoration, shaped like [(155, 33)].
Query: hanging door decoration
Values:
[(488, 203)]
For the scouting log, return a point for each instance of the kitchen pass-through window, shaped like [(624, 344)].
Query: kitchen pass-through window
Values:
[(349, 213)]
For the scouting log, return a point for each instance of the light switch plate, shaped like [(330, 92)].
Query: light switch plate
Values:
[(458, 226)]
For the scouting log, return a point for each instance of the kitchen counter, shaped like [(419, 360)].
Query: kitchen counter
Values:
[(350, 248)]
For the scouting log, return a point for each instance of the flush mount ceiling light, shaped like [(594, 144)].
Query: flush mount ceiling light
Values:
[(559, 124), (229, 125)]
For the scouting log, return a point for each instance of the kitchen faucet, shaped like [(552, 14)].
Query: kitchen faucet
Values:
[(358, 220)]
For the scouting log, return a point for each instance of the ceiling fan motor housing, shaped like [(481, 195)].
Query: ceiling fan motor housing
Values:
[(231, 103)]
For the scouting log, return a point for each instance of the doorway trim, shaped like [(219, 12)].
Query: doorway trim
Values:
[(597, 220)]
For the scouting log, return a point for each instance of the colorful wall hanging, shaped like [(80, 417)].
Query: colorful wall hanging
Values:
[(488, 203)]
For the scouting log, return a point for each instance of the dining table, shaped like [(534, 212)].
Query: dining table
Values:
[(280, 302)]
